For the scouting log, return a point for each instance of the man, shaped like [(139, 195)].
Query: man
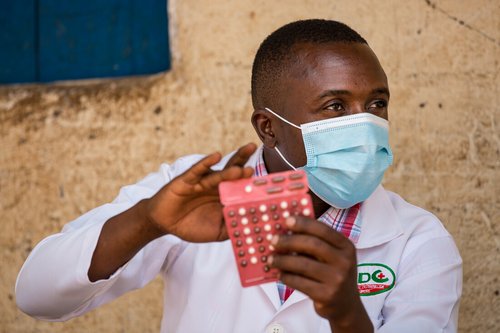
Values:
[(371, 262)]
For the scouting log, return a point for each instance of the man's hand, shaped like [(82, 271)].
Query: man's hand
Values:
[(321, 263), (189, 206)]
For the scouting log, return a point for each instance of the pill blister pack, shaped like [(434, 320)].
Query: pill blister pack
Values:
[(255, 209)]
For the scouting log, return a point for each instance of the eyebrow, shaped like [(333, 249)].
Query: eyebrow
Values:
[(347, 92)]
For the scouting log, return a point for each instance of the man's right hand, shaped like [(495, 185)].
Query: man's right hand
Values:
[(189, 206)]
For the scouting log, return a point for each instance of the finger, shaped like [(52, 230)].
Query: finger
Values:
[(306, 245), (301, 265), (241, 156), (212, 180), (304, 225), (201, 168), (223, 231), (314, 289)]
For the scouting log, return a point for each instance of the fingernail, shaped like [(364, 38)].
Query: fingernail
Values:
[(275, 239), (270, 260), (290, 221)]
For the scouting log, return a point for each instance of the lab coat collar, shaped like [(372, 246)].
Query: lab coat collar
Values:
[(271, 292), (380, 223), (252, 161)]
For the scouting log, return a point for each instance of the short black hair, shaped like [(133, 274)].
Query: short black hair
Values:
[(275, 52)]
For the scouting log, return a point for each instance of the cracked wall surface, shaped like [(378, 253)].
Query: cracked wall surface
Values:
[(68, 147)]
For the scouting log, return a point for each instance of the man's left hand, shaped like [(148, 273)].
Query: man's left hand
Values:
[(321, 263)]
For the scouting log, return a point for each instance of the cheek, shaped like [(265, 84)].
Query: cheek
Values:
[(293, 148)]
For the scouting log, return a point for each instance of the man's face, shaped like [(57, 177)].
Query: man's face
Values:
[(329, 80)]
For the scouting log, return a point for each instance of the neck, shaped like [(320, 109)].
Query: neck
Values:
[(319, 205)]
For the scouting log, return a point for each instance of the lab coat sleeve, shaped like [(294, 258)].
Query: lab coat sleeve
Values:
[(53, 283), (427, 292)]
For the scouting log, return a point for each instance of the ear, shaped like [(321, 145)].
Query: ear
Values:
[(263, 126)]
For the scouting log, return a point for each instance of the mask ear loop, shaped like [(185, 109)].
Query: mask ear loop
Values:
[(284, 159), (281, 118), (276, 148)]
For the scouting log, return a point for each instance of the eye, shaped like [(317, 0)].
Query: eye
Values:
[(377, 105), (335, 106)]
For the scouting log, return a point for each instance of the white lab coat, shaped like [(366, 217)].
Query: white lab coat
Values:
[(202, 288)]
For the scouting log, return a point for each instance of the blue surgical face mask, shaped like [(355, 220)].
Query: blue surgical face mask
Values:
[(346, 156)]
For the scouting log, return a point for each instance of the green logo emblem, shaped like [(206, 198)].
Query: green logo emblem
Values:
[(375, 279)]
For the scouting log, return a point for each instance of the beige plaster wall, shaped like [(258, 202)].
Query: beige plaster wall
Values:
[(66, 148)]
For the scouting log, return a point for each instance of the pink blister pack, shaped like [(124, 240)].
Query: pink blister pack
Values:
[(254, 211)]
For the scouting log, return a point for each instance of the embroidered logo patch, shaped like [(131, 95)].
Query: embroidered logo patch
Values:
[(375, 279)]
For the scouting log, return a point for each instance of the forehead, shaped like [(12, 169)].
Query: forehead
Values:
[(334, 66)]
